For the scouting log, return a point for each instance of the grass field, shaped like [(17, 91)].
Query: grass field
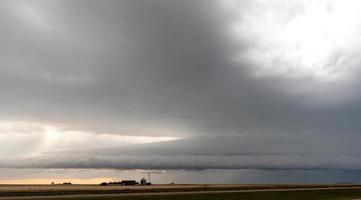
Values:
[(334, 192), (339, 194), (286, 195)]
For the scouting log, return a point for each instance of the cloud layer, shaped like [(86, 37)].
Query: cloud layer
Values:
[(241, 84)]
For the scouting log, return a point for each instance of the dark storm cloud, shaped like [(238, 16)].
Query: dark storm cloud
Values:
[(100, 66), (199, 162), (115, 60)]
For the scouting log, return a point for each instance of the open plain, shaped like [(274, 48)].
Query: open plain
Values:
[(185, 191)]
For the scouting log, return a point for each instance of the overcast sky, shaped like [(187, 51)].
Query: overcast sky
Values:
[(180, 84)]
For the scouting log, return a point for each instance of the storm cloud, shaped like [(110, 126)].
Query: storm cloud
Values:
[(221, 84)]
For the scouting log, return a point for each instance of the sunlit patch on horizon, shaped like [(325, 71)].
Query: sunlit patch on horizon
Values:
[(55, 181)]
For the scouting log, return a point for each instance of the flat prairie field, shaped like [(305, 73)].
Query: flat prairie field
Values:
[(338, 194), (191, 191)]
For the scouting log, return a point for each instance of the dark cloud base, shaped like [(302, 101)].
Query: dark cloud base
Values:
[(193, 162)]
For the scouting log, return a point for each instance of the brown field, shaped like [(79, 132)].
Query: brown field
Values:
[(45, 190)]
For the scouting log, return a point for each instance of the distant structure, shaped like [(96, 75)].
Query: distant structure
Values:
[(104, 184), (143, 181), (129, 182), (149, 173)]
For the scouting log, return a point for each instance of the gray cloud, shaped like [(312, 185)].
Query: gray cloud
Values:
[(167, 68)]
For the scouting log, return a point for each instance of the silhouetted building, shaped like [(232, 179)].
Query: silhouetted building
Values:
[(143, 181), (129, 182), (104, 184)]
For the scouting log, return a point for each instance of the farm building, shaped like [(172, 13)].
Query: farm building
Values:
[(143, 181), (129, 182)]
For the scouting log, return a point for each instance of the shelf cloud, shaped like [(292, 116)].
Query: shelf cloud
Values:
[(191, 84)]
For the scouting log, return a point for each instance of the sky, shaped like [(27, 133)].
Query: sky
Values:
[(197, 86)]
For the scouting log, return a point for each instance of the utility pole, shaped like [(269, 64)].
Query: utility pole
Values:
[(149, 174)]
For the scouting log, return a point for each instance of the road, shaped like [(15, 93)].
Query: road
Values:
[(166, 193)]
